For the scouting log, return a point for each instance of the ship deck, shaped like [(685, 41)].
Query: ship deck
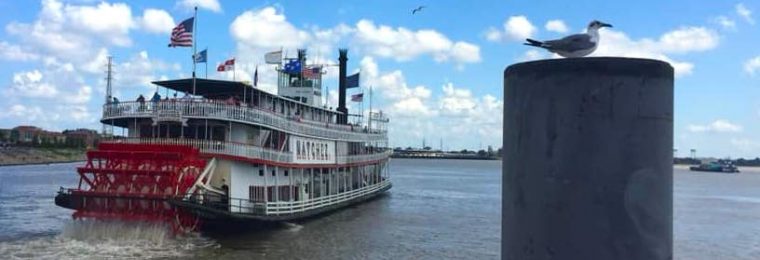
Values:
[(210, 208)]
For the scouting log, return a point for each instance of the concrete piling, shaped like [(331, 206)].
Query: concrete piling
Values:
[(588, 166)]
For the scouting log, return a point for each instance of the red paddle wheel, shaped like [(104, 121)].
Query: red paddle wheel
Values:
[(133, 182)]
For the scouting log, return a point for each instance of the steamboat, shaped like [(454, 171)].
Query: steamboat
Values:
[(233, 153)]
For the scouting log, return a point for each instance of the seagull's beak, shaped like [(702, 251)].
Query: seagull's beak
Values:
[(606, 25)]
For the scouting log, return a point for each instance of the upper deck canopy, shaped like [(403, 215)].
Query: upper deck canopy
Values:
[(224, 89), (208, 88)]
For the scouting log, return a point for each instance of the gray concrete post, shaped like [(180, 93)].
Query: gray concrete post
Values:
[(588, 167)]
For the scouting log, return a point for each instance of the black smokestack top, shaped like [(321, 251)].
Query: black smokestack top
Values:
[(342, 59), (302, 55)]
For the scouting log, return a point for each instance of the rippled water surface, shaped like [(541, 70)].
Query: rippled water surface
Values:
[(436, 209)]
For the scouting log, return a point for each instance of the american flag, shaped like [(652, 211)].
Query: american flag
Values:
[(311, 72), (357, 97), (182, 35)]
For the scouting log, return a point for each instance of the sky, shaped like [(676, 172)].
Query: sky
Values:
[(437, 74)]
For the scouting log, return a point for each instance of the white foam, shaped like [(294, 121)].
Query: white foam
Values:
[(107, 239), (292, 227)]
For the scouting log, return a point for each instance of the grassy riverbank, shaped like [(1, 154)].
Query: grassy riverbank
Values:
[(30, 155)]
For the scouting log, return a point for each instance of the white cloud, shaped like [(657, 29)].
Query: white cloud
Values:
[(465, 52), (518, 28), (557, 26), (745, 13), (96, 65), (156, 21), (27, 114), (266, 28), (140, 70), (30, 84), (725, 22), (212, 5), (74, 32), (752, 66), (456, 112), (16, 53), (456, 102), (717, 126), (403, 44), (680, 41), (493, 34), (683, 40), (688, 39), (406, 101)]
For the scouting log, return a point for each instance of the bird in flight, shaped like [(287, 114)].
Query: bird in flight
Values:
[(418, 9), (573, 46)]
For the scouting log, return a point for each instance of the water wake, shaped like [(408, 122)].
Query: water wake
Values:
[(292, 227), (107, 239)]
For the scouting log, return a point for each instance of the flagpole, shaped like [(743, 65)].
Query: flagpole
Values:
[(206, 62), (195, 29)]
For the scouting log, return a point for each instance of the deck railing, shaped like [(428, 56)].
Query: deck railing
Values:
[(249, 207), (242, 114), (290, 207), (247, 150)]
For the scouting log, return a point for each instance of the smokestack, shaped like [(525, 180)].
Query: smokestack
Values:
[(302, 55), (342, 59)]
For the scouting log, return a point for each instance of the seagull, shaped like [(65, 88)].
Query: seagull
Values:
[(418, 9), (573, 46)]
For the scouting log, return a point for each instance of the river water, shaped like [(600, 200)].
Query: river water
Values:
[(437, 209)]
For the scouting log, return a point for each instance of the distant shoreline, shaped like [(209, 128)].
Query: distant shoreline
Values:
[(448, 158), (40, 163), (14, 156)]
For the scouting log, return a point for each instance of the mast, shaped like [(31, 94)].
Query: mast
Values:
[(109, 77), (195, 29), (108, 129)]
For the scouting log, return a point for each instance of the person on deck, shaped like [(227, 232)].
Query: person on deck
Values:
[(141, 100), (155, 99), (231, 101)]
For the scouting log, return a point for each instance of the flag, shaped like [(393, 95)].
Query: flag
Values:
[(292, 67), (227, 65), (311, 72), (274, 57), (182, 34), (357, 97), (352, 81), (200, 57), (256, 76)]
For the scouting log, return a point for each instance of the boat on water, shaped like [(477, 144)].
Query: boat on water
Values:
[(233, 153), (716, 166)]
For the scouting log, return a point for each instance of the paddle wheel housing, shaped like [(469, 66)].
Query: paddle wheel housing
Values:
[(132, 182)]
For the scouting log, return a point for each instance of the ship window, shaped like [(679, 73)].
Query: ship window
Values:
[(261, 172), (286, 173), (273, 173)]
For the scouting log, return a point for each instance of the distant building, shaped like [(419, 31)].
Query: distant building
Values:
[(86, 137), (5, 135), (33, 135), (46, 137), (25, 134)]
